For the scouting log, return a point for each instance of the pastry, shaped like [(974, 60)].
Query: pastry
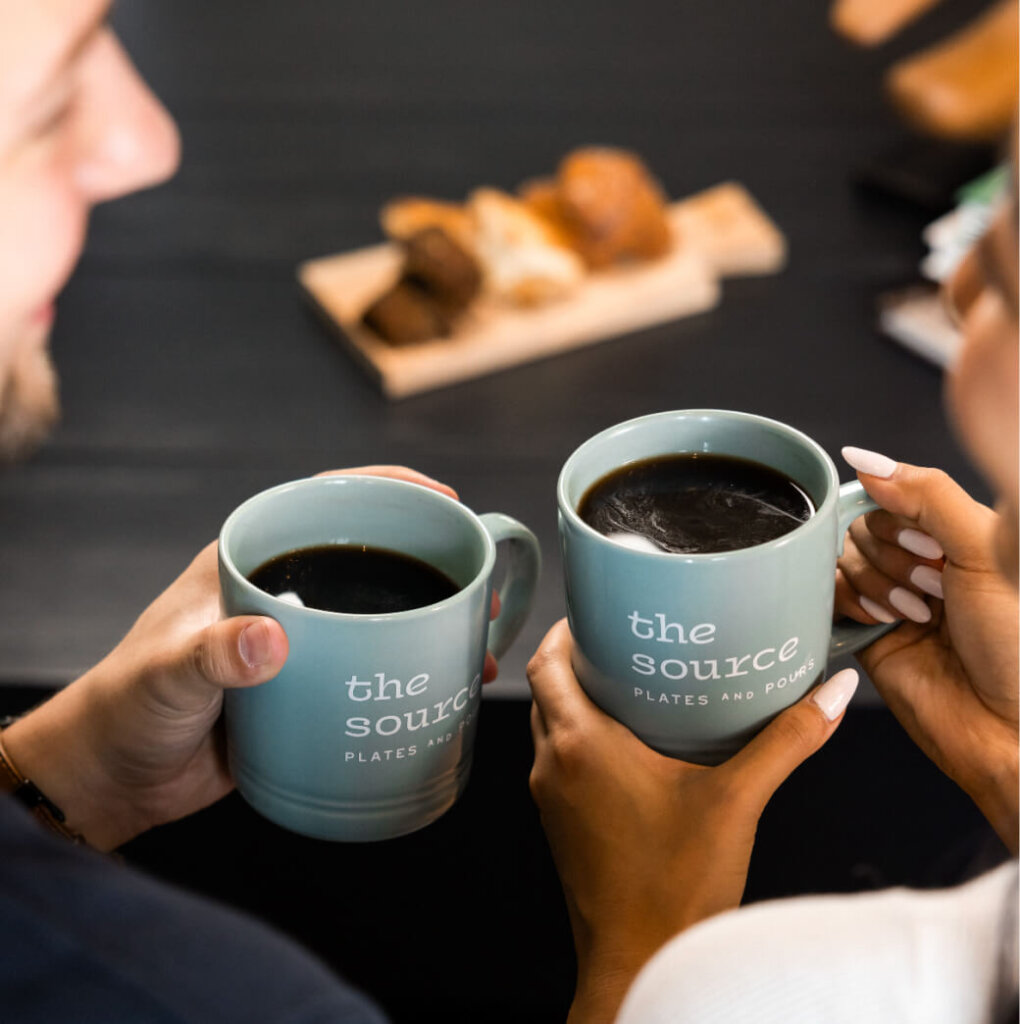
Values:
[(439, 265), (524, 260), (406, 314), (612, 207), (402, 218), (541, 196)]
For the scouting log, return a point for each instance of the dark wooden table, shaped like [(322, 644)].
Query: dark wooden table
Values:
[(193, 375)]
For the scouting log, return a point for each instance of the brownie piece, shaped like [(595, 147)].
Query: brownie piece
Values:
[(406, 314), (435, 262)]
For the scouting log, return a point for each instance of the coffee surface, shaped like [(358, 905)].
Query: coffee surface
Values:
[(354, 579), (695, 503)]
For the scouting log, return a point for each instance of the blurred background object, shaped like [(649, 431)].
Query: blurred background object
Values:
[(870, 22), (966, 86), (959, 93), (963, 87), (917, 316)]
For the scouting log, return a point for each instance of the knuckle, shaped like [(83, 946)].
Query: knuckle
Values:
[(537, 784), (539, 662), (800, 727), (933, 483), (566, 747), (207, 658)]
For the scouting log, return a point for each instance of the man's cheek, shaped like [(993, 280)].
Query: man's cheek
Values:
[(42, 235)]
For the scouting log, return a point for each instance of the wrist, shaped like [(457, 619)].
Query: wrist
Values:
[(52, 746), (997, 796), (31, 797), (605, 972), (601, 987)]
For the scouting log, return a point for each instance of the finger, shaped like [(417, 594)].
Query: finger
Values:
[(241, 651), (847, 602), (496, 605), (538, 729), (491, 669), (903, 533), (554, 686), (923, 577), (964, 287), (870, 585), (791, 737), (395, 473), (884, 596), (963, 527)]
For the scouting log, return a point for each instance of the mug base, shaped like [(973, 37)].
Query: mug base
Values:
[(354, 821)]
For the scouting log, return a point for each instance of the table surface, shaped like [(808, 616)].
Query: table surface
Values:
[(194, 375)]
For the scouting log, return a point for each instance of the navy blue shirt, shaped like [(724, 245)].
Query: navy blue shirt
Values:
[(89, 941)]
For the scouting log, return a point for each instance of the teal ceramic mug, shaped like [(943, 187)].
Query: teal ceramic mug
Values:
[(696, 653), (367, 732)]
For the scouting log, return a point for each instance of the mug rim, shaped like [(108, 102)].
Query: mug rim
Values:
[(814, 522), (464, 593)]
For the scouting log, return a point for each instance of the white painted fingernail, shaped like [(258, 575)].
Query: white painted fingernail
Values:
[(869, 462), (876, 611), (925, 578), (834, 694), (910, 604), (918, 543)]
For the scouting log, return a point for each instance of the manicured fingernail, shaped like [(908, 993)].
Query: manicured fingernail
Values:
[(918, 543), (255, 645), (925, 578), (876, 611), (834, 694), (910, 604), (869, 462)]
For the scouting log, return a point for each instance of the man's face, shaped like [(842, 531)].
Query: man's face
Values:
[(982, 389), (77, 126)]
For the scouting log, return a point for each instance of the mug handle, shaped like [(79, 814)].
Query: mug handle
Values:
[(518, 590), (848, 637)]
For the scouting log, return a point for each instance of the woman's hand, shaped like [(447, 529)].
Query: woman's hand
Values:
[(134, 742), (647, 845), (950, 672)]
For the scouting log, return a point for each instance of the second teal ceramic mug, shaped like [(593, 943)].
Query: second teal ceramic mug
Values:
[(368, 730), (696, 653)]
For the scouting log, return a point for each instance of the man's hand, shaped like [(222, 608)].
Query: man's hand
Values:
[(135, 742)]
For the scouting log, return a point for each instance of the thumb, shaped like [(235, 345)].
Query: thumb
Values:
[(241, 651), (793, 736)]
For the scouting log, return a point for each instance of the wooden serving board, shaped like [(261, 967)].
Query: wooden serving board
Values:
[(719, 232)]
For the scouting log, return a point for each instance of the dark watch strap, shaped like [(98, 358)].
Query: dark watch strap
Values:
[(26, 792)]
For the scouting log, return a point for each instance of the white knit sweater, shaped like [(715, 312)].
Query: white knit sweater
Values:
[(899, 956)]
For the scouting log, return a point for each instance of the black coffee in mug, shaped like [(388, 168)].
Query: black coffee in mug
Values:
[(695, 503), (353, 578)]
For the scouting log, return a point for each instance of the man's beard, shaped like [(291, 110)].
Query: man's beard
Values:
[(29, 406)]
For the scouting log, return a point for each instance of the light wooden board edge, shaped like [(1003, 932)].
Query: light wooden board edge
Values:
[(722, 231)]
